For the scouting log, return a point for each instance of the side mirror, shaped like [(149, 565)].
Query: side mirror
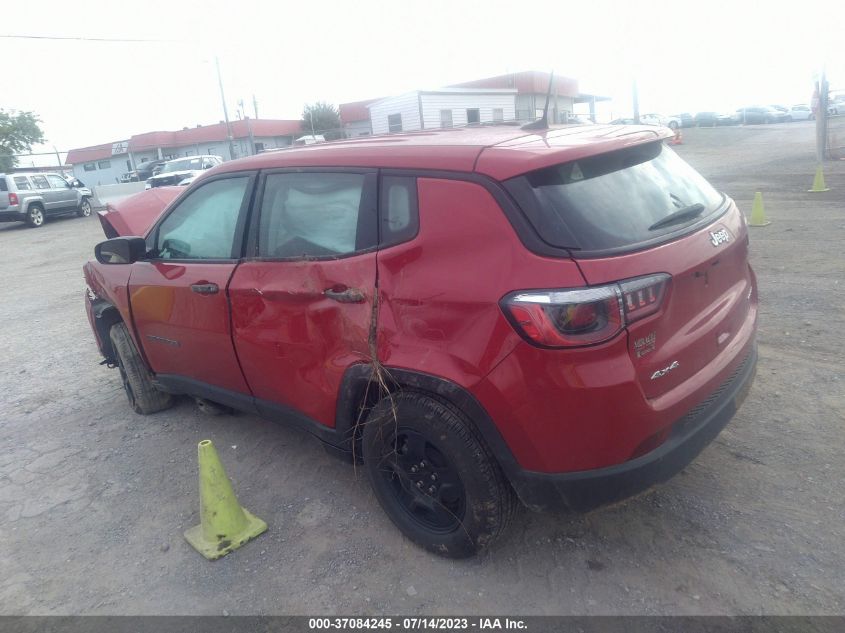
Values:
[(120, 250)]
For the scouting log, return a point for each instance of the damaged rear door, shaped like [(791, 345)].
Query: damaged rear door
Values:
[(302, 303)]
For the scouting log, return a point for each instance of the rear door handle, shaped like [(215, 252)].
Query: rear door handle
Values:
[(205, 288), (347, 295)]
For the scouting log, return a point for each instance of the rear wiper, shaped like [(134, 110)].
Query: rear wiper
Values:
[(687, 213)]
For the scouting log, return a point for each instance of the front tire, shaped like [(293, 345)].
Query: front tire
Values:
[(35, 216), (433, 475), (84, 209), (137, 380)]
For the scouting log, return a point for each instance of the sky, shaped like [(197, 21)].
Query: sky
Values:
[(685, 56)]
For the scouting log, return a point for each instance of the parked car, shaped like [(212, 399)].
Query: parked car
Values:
[(759, 114), (34, 197), (147, 169), (686, 119), (781, 112), (563, 317), (801, 112), (711, 119), (672, 123), (175, 171)]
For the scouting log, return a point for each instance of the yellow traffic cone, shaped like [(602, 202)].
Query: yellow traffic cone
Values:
[(758, 212), (225, 525), (818, 182)]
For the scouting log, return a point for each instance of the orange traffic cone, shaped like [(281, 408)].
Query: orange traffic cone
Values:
[(679, 138)]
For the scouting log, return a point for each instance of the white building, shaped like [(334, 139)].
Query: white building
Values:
[(105, 164), (444, 108), (358, 118)]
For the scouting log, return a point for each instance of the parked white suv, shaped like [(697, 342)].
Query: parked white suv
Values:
[(671, 122), (173, 172)]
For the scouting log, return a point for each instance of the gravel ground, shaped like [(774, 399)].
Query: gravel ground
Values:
[(94, 499)]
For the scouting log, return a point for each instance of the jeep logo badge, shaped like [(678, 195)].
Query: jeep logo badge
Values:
[(719, 237)]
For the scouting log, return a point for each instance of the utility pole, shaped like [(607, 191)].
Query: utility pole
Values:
[(636, 95), (255, 106), (58, 158), (821, 117), (251, 138), (225, 110)]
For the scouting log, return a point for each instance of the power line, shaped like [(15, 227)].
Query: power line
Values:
[(81, 39)]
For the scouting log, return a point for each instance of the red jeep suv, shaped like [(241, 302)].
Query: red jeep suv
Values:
[(481, 315)]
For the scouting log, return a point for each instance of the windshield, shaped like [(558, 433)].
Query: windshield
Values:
[(615, 200), (181, 165)]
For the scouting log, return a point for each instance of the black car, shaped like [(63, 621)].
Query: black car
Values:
[(148, 169)]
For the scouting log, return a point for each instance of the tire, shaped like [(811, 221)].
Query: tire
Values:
[(84, 209), (35, 215), (137, 381), (673, 125), (433, 475)]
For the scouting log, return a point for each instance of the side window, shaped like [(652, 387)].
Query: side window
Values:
[(56, 182), (104, 164), (22, 183), (203, 226), (40, 182), (399, 211), (317, 214)]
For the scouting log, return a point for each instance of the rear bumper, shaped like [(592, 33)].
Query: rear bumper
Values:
[(585, 490), (12, 216)]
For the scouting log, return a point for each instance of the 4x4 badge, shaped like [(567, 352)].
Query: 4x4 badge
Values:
[(662, 372), (719, 237)]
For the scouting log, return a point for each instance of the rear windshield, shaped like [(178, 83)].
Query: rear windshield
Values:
[(615, 200)]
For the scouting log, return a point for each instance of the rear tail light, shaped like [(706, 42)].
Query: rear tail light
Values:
[(585, 316), (13, 198), (643, 296)]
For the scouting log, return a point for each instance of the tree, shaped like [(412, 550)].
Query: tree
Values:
[(19, 131), (321, 118)]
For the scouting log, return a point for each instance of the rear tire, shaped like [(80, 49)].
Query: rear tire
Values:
[(673, 125), (35, 215), (137, 380), (433, 475), (84, 209)]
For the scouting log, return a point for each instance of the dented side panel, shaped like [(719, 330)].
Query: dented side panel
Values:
[(293, 340), (439, 293)]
